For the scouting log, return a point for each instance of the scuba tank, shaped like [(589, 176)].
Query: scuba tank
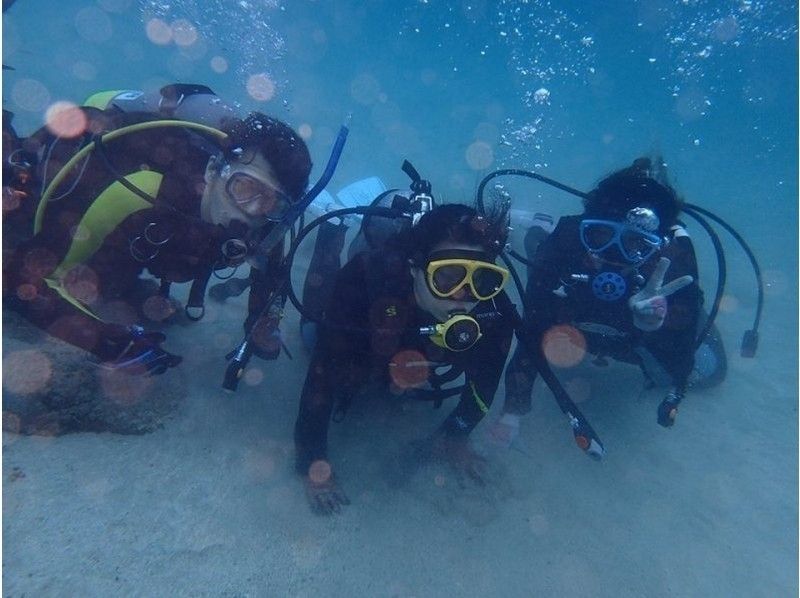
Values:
[(391, 212)]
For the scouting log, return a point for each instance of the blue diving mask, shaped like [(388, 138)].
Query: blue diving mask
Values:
[(636, 239)]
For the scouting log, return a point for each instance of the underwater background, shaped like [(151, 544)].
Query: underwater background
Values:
[(209, 505)]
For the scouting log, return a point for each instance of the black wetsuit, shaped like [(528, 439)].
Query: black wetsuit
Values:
[(553, 297), (112, 273), (371, 327)]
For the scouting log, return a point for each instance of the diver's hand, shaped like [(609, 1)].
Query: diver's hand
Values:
[(323, 493), (668, 409), (649, 306), (266, 340), (504, 430), (142, 355), (460, 456), (268, 346)]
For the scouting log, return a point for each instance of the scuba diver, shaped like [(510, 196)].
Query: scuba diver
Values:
[(426, 296), (598, 281), (173, 182)]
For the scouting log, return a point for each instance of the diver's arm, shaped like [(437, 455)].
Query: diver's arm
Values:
[(541, 306), (262, 283), (316, 406), (265, 306), (674, 343), (338, 365), (61, 305)]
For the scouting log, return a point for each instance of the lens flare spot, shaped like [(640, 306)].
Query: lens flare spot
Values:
[(728, 304), (158, 32), (319, 472), (183, 33), (38, 262), (304, 131), (12, 199), (93, 25), (82, 283), (365, 89), (27, 292), (428, 76), (253, 376), (30, 95), (260, 87), (479, 155), (124, 388), (65, 119), (26, 372), (564, 346), (439, 480), (409, 369), (85, 71), (73, 330), (158, 308), (219, 64)]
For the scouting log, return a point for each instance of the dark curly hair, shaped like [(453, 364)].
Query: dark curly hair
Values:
[(454, 223), (642, 184), (284, 149)]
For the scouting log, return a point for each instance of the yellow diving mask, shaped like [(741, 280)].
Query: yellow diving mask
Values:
[(449, 271)]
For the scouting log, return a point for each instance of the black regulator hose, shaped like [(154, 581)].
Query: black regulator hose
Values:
[(359, 210), (721, 277), (585, 436), (750, 339), (526, 173)]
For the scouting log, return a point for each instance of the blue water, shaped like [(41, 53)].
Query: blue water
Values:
[(574, 90)]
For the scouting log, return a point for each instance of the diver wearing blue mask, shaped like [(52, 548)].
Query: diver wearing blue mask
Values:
[(621, 278)]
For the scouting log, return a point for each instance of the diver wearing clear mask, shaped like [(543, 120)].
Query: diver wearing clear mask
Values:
[(170, 182)]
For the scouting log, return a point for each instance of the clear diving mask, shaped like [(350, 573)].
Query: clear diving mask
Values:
[(256, 198)]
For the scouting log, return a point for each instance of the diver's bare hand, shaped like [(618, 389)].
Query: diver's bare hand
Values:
[(504, 430), (324, 495), (461, 457), (649, 306)]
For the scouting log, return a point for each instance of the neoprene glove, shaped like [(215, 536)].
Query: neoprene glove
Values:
[(142, 354), (649, 306)]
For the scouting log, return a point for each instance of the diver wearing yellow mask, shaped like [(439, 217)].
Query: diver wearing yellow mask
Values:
[(432, 299)]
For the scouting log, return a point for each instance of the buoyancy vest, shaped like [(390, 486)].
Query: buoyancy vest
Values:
[(193, 110)]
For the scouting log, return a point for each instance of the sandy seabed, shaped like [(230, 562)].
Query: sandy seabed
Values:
[(210, 505)]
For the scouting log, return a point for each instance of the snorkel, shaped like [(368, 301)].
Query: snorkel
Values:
[(239, 357), (278, 231)]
